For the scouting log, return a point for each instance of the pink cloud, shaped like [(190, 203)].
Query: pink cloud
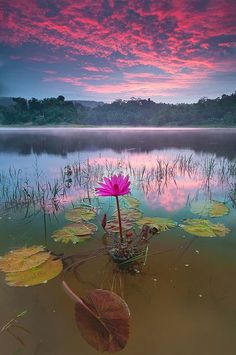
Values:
[(128, 34), (91, 68), (227, 44)]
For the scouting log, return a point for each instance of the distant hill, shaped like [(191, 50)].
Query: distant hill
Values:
[(87, 103)]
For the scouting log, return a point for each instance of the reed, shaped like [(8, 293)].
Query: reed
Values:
[(36, 191)]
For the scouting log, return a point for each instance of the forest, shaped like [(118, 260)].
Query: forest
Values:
[(218, 112)]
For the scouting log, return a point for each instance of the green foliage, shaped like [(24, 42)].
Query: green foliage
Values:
[(39, 112), (135, 112)]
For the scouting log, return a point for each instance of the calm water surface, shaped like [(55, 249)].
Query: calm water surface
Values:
[(183, 303)]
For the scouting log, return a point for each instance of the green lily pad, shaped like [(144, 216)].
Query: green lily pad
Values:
[(80, 214), (204, 228), (36, 275), (218, 209), (162, 224), (132, 201), (23, 259), (75, 233), (209, 208)]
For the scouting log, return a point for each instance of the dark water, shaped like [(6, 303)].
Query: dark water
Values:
[(184, 301)]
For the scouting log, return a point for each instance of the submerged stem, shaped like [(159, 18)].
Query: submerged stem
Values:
[(119, 219)]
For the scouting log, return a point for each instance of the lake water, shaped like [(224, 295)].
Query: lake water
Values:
[(182, 299)]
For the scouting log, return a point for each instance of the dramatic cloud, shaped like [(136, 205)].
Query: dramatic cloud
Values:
[(139, 47)]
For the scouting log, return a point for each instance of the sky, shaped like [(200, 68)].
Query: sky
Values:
[(167, 50)]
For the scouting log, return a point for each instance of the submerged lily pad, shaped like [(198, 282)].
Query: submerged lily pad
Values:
[(162, 224), (209, 208), (132, 201), (80, 214), (23, 259), (102, 319), (112, 226), (75, 233), (204, 228), (35, 276), (201, 207)]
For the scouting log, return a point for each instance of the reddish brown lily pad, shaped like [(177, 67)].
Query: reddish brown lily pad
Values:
[(102, 319), (112, 226), (129, 214), (80, 214)]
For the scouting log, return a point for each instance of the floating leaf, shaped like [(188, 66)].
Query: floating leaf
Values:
[(162, 224), (91, 226), (35, 276), (102, 319), (27, 251), (220, 229), (205, 228), (132, 201), (201, 207), (130, 214), (112, 226), (218, 209), (80, 214), (209, 208), (23, 259), (75, 233)]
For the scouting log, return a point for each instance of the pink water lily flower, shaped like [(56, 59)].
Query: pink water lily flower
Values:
[(114, 186)]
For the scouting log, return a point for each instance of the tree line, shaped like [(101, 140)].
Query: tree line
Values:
[(134, 112)]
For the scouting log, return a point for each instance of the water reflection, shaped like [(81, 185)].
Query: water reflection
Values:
[(163, 179), (221, 142), (184, 278)]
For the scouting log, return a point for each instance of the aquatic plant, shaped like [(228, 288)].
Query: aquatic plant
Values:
[(161, 224), (102, 318), (29, 266), (209, 208), (115, 186), (204, 228), (23, 259), (75, 233)]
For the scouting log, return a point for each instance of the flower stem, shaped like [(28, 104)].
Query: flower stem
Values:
[(119, 219)]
